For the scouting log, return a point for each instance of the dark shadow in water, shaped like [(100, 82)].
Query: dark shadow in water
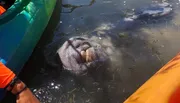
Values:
[(73, 7)]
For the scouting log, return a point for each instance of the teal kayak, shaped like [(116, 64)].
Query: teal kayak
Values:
[(21, 27)]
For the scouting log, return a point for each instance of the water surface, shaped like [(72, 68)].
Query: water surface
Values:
[(136, 52)]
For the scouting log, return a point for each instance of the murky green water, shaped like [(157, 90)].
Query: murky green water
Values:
[(136, 53)]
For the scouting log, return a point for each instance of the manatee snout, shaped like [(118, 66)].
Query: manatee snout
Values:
[(80, 55)]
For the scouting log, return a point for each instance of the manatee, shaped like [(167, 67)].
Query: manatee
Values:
[(80, 55)]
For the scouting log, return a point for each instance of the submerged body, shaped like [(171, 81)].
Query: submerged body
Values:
[(134, 20), (153, 11), (77, 59)]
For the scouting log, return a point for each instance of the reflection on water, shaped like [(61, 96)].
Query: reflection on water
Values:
[(136, 53), (69, 7)]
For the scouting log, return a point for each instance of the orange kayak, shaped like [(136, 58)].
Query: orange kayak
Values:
[(162, 87)]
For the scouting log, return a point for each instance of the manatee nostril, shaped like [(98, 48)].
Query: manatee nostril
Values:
[(88, 55), (83, 55)]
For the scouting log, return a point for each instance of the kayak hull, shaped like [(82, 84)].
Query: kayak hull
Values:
[(21, 28), (19, 36), (162, 87)]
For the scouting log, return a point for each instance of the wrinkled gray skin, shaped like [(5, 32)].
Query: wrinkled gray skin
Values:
[(70, 56)]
